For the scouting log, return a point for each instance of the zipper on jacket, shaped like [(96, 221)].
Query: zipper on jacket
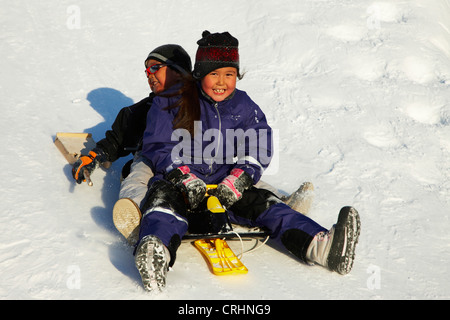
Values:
[(216, 106)]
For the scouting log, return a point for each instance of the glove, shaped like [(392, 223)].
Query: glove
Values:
[(193, 187), (231, 188), (86, 163)]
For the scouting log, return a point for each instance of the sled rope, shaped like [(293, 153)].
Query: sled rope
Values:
[(255, 247)]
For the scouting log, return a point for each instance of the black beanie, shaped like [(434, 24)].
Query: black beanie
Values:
[(173, 55), (215, 50)]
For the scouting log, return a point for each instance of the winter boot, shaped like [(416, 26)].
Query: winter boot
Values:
[(335, 249), (152, 260), (301, 199), (127, 218)]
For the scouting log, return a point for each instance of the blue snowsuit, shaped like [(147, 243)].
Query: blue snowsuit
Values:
[(230, 134)]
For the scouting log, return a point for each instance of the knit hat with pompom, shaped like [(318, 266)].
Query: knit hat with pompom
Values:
[(215, 50)]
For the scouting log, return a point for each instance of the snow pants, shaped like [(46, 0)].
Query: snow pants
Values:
[(165, 217), (135, 185)]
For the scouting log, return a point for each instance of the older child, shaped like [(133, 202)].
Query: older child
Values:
[(209, 105), (164, 67)]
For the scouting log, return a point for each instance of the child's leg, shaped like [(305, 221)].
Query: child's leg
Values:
[(306, 239), (164, 216), (162, 227), (135, 185), (133, 189), (288, 227), (264, 185)]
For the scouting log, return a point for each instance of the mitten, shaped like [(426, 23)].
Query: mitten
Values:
[(193, 187), (231, 188), (86, 163)]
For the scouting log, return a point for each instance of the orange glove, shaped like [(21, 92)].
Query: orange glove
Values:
[(85, 164)]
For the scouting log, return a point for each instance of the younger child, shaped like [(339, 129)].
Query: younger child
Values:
[(209, 105)]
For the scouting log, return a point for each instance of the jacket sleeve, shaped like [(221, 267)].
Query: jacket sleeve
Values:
[(111, 144), (158, 143), (254, 153), (126, 132)]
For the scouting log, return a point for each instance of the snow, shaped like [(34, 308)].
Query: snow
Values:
[(357, 91)]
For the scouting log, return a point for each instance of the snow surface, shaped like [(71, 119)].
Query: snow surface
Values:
[(358, 92)]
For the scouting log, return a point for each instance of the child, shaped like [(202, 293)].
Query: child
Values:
[(209, 105), (165, 66)]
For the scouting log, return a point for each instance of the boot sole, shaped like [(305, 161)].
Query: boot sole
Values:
[(347, 230), (301, 200), (151, 263), (127, 219)]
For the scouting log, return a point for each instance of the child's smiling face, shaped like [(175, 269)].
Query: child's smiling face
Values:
[(220, 83)]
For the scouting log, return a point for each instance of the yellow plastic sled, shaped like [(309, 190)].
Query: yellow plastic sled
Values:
[(220, 257)]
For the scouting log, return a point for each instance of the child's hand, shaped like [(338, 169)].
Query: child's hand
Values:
[(231, 188), (193, 187), (83, 167)]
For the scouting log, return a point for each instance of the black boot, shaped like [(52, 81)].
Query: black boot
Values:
[(152, 260), (335, 249)]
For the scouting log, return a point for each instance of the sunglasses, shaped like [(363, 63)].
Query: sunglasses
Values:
[(154, 68)]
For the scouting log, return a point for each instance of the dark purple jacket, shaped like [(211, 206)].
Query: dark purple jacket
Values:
[(234, 134)]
